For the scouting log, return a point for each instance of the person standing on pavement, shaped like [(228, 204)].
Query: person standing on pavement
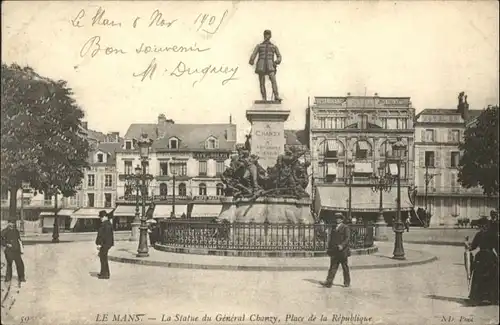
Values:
[(104, 241), (11, 240), (339, 252)]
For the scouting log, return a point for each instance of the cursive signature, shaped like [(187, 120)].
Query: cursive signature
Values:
[(182, 70)]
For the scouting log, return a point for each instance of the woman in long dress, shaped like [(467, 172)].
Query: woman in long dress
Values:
[(484, 283)]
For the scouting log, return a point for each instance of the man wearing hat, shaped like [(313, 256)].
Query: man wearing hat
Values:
[(338, 250), (11, 240), (104, 241), (266, 64)]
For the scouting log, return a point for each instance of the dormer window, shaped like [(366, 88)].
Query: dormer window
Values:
[(211, 143), (173, 143), (128, 145), (100, 158)]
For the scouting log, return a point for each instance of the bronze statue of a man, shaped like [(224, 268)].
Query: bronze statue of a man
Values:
[(266, 64)]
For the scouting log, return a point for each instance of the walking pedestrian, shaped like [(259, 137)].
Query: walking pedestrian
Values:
[(407, 224), (484, 282), (104, 241), (11, 240), (339, 252)]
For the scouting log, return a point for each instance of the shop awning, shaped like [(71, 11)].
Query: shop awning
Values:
[(363, 168), (363, 199), (332, 145), (363, 145), (164, 210), (88, 213), (46, 214), (393, 169), (65, 212), (331, 169), (124, 211), (206, 210)]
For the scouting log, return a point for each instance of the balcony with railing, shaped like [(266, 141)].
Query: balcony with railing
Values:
[(449, 190)]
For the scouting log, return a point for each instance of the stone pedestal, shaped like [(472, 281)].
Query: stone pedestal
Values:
[(268, 131), (135, 231), (381, 231)]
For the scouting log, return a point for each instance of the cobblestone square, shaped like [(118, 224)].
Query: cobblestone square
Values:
[(62, 288)]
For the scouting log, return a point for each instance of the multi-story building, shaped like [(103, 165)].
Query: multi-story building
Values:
[(360, 131), (186, 161), (97, 192), (438, 133)]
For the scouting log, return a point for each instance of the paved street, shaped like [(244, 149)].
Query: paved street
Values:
[(62, 289)]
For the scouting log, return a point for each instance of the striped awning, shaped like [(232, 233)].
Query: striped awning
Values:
[(124, 211), (331, 169), (363, 168), (206, 210), (164, 210), (362, 145), (88, 213), (332, 145)]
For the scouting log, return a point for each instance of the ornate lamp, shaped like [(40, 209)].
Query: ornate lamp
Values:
[(349, 168), (144, 146), (399, 152), (379, 183)]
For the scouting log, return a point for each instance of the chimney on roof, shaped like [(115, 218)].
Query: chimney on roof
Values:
[(162, 119), (230, 119), (463, 106), (113, 137), (376, 94)]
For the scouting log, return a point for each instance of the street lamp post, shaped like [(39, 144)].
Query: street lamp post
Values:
[(399, 152), (348, 181), (144, 146), (428, 179), (380, 183), (133, 181), (174, 172)]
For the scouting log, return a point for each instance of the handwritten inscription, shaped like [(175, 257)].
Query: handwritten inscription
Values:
[(179, 68), (182, 69)]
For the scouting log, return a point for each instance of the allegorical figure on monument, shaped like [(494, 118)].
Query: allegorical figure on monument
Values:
[(267, 62)]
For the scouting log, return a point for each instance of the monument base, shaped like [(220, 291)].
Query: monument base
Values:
[(272, 210)]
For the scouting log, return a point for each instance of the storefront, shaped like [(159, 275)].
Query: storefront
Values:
[(63, 218), (86, 219), (365, 202), (123, 216), (165, 210), (205, 211)]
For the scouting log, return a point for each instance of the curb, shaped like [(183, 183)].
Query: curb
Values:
[(437, 243), (237, 253), (262, 267)]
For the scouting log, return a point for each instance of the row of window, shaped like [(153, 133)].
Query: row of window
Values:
[(202, 189), (430, 159), (429, 135), (331, 172), (174, 143), (178, 168), (108, 180), (340, 123)]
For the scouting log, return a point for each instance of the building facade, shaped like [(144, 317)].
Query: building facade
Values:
[(438, 133), (361, 131), (186, 161)]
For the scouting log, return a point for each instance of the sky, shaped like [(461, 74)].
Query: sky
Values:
[(429, 51)]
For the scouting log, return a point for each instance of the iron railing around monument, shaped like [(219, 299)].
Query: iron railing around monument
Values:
[(258, 237)]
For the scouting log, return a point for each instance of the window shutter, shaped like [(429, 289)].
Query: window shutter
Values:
[(422, 134), (449, 159), (450, 135), (421, 158), (437, 159)]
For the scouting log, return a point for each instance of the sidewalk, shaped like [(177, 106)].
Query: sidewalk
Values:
[(125, 252), (434, 236)]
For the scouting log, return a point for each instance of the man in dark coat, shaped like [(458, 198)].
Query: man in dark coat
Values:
[(11, 240), (104, 241), (338, 250), (266, 64)]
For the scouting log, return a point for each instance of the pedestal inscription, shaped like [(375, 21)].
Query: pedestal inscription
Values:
[(268, 141)]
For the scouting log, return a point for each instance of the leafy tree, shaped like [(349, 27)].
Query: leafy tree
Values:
[(479, 163), (42, 142)]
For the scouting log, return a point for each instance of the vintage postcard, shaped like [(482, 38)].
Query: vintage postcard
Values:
[(249, 162)]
